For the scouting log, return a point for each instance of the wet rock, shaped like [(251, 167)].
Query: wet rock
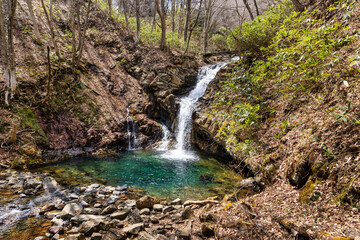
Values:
[(39, 238), (96, 236), (109, 209), (145, 202), (84, 204), (59, 204), (207, 230), (70, 210), (47, 207), (133, 229), (73, 230), (176, 202), (185, 233), (52, 214), (122, 188), (57, 221), (145, 211), (145, 236), (158, 207), (56, 229), (32, 183), (13, 180), (50, 184), (56, 237), (121, 215)]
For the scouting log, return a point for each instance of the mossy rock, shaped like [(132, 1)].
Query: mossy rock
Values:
[(307, 193)]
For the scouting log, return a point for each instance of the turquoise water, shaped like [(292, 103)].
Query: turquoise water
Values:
[(151, 172)]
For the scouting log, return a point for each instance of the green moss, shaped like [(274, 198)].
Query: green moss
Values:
[(307, 191), (28, 119)]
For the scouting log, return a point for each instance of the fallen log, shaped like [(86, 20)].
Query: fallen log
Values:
[(204, 202)]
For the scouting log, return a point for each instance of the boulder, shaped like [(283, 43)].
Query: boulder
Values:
[(145, 202), (70, 210), (56, 229), (176, 202), (186, 213), (91, 226), (133, 229), (96, 236), (185, 233), (120, 215), (109, 209), (158, 207)]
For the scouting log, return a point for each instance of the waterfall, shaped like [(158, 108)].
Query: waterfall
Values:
[(131, 131), (188, 105), (165, 139)]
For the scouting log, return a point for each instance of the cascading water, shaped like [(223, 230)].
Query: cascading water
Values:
[(182, 149), (165, 139), (131, 131)]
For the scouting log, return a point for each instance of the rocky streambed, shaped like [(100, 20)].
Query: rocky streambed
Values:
[(97, 211)]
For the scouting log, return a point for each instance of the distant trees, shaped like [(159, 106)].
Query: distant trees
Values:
[(7, 17)]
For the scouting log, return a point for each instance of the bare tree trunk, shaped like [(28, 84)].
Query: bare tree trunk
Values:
[(137, 11), (110, 8), (33, 19), (71, 9), (207, 7), (256, 8), (50, 24), (12, 6), (49, 73), (193, 27), (249, 9), (299, 7), (181, 16), (83, 34), (125, 15), (187, 20), (173, 12), (162, 14)]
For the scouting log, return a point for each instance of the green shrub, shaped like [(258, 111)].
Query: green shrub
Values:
[(259, 32)]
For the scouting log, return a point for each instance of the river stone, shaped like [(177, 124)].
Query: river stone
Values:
[(134, 216), (84, 204), (13, 180), (154, 220), (161, 237), (185, 233), (86, 217), (50, 184), (116, 223), (57, 221), (158, 207), (39, 238), (145, 211), (145, 236), (56, 237), (77, 236), (73, 230), (121, 215), (145, 202), (96, 236), (52, 214), (119, 235), (59, 204), (168, 209), (74, 196), (130, 203), (70, 210), (176, 202), (133, 229), (122, 188), (46, 208), (109, 209), (56, 229), (93, 211), (91, 226), (32, 183), (97, 205)]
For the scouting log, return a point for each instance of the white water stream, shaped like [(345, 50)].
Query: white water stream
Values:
[(188, 105)]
